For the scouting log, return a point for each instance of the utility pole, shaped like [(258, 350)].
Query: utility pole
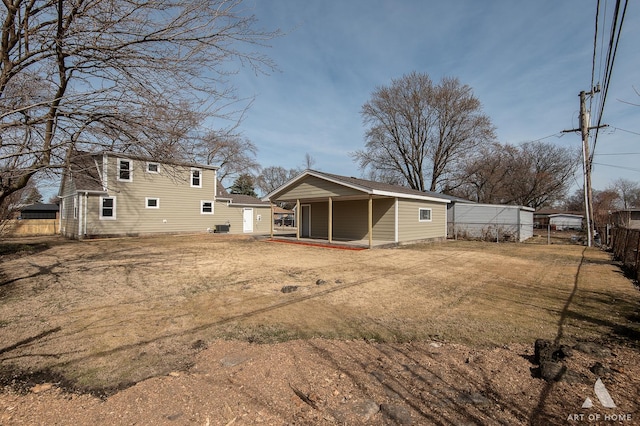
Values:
[(588, 193), (586, 160)]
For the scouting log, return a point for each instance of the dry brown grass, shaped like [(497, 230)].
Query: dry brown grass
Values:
[(107, 313)]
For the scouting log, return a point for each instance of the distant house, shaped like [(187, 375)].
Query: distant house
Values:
[(627, 218), (558, 220), (340, 208), (495, 222), (113, 194), (283, 217), (39, 211)]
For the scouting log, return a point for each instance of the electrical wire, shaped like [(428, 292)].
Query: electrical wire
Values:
[(616, 30)]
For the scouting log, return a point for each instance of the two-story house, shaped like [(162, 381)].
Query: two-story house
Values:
[(113, 194)]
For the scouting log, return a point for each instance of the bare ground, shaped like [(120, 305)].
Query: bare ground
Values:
[(196, 330)]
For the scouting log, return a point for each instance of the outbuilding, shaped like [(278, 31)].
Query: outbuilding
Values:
[(340, 208), (495, 222)]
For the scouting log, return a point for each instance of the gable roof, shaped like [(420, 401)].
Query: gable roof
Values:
[(84, 171), (366, 186)]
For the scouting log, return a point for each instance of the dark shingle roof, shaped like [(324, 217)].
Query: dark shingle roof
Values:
[(40, 207), (380, 186), (84, 171)]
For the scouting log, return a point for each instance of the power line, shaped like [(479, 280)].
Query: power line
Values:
[(621, 153), (614, 41), (628, 131), (618, 167)]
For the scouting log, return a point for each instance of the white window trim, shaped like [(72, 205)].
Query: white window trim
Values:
[(202, 206), (63, 208), (114, 209), (191, 178), (420, 214), (146, 202), (151, 171), (120, 160)]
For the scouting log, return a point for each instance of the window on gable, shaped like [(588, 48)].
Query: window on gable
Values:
[(152, 203), (196, 178), (125, 172), (108, 208), (424, 215), (153, 168), (206, 207)]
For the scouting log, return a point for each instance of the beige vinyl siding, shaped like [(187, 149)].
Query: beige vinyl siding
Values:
[(232, 215), (312, 187), (68, 224), (409, 226), (350, 219), (320, 220), (384, 219), (180, 203)]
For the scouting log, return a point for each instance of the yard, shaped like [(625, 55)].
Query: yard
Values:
[(217, 329)]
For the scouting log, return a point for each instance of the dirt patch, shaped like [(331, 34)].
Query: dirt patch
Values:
[(197, 329)]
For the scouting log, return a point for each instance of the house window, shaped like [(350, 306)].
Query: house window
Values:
[(152, 203), (125, 172), (153, 168), (206, 207), (108, 208), (196, 178), (424, 215)]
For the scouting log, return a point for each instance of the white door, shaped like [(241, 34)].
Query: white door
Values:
[(247, 220)]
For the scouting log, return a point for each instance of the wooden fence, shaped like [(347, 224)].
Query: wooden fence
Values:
[(626, 248), (28, 227)]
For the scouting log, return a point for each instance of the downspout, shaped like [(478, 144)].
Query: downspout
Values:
[(86, 201), (78, 197)]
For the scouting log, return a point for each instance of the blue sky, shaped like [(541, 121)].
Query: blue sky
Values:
[(526, 61)]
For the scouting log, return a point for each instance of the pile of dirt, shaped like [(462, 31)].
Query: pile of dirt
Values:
[(319, 381)]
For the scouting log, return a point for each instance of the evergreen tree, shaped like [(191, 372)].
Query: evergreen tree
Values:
[(243, 185)]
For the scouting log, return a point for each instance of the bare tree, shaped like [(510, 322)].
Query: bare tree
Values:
[(531, 174), (628, 192), (309, 161), (126, 75), (421, 131), (234, 154), (273, 177)]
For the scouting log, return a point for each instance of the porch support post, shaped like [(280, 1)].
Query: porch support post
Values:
[(330, 220), (272, 218), (370, 224), (298, 216)]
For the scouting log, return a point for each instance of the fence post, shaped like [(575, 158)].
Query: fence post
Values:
[(636, 266)]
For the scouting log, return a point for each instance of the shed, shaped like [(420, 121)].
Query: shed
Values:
[(628, 218), (341, 208), (489, 221), (39, 211), (558, 219)]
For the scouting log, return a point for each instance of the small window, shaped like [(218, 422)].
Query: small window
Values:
[(153, 168), (125, 170), (108, 208), (196, 178), (424, 215), (152, 203), (206, 207)]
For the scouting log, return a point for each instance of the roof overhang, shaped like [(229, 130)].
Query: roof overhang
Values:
[(365, 190)]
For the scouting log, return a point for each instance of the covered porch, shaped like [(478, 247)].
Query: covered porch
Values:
[(356, 221)]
